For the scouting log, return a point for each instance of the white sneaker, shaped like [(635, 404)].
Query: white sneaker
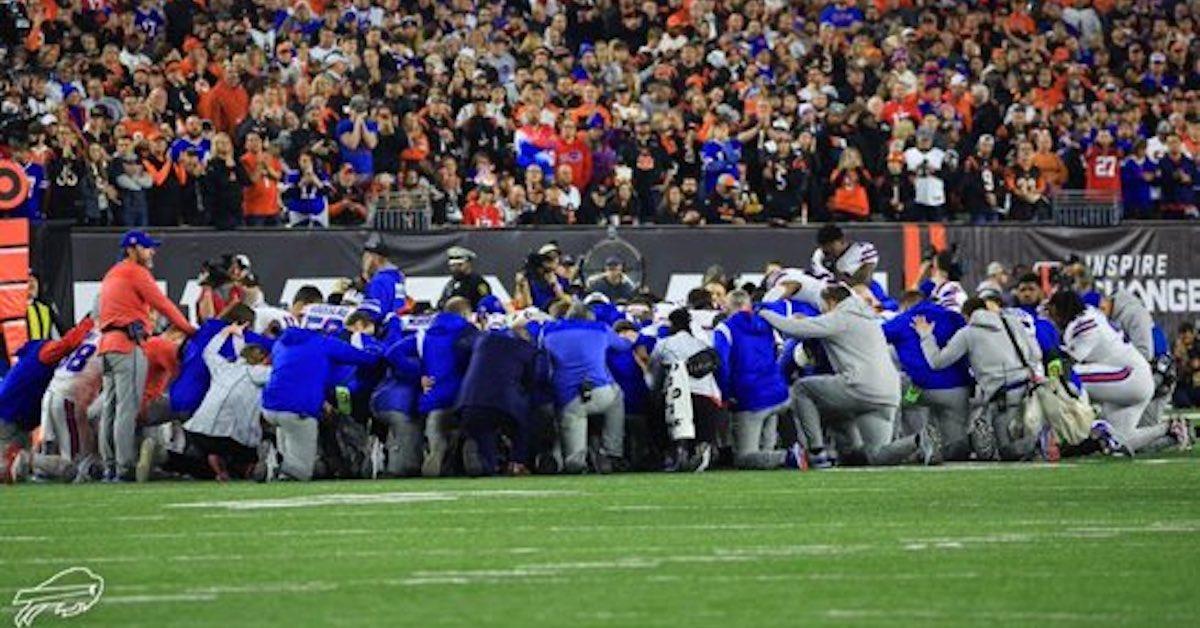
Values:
[(376, 455)]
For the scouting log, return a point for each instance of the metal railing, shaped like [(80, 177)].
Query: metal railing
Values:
[(393, 213), (1086, 208)]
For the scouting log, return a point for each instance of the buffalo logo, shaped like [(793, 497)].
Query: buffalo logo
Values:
[(68, 593)]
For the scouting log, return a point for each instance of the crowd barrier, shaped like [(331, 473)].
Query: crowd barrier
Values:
[(1155, 261)]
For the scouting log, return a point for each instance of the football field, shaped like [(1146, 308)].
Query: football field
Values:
[(1097, 543)]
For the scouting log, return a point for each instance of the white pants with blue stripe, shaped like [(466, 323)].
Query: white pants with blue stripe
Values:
[(1123, 393)]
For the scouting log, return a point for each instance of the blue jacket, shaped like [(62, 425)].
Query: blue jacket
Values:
[(444, 349), (578, 352), (22, 389), (606, 313), (400, 388), (359, 379), (190, 386), (904, 339), (629, 375), (748, 374), (303, 362), (500, 375), (387, 287)]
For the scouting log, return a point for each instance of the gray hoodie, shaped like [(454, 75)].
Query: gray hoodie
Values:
[(234, 400), (1134, 319), (856, 347), (994, 362)]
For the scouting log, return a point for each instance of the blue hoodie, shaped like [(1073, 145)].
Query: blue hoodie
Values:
[(629, 375), (387, 287), (904, 339), (22, 389), (444, 350), (400, 388), (190, 386), (748, 374), (302, 370), (578, 351)]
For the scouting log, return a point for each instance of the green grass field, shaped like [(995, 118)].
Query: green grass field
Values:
[(1091, 544)]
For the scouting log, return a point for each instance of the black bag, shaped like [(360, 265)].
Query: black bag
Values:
[(343, 448), (1166, 375), (703, 363)]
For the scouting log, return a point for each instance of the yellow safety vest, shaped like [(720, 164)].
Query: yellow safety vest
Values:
[(40, 321)]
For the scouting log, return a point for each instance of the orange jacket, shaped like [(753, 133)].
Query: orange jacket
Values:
[(127, 294)]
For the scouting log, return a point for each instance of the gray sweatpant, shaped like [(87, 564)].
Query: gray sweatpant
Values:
[(296, 440), (950, 411), (870, 424), (437, 435), (573, 421), (405, 445), (124, 385), (1001, 413), (755, 434)]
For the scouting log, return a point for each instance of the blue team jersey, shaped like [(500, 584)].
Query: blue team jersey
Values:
[(22, 389), (387, 287), (202, 147)]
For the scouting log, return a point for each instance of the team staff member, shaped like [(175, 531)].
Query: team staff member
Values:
[(464, 281), (942, 395), (753, 385), (865, 386), (385, 282), (991, 342), (127, 296), (42, 318)]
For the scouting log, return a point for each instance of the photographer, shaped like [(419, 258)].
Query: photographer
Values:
[(357, 136)]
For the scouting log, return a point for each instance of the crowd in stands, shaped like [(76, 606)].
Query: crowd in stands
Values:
[(487, 114)]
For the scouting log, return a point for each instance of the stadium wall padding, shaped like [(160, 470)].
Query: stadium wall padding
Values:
[(1156, 261)]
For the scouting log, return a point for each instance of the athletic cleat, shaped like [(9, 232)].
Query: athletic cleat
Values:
[(10, 457), (217, 464), (516, 469), (1180, 432), (20, 466), (701, 458), (1048, 445), (796, 458), (929, 441), (88, 469), (145, 463), (819, 461), (1102, 431), (983, 440)]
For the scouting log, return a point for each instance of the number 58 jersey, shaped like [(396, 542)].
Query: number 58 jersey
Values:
[(78, 376)]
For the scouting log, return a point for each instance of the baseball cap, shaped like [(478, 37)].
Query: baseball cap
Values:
[(613, 261), (375, 245), (549, 247), (459, 254), (727, 180), (139, 238), (1158, 57)]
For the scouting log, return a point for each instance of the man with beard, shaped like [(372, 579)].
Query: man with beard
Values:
[(648, 161), (464, 281)]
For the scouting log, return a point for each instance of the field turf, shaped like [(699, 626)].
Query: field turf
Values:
[(1099, 543)]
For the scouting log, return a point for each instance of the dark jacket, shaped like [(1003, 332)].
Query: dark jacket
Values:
[(222, 193), (500, 375)]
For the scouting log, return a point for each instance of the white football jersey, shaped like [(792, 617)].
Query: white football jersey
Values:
[(853, 258), (326, 318), (1091, 339), (78, 376)]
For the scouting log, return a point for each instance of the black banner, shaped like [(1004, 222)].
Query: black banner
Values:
[(1153, 260)]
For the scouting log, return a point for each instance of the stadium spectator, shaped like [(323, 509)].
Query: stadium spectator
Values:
[(609, 90)]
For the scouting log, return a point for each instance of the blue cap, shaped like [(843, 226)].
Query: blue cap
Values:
[(139, 238), (490, 304), (373, 308)]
